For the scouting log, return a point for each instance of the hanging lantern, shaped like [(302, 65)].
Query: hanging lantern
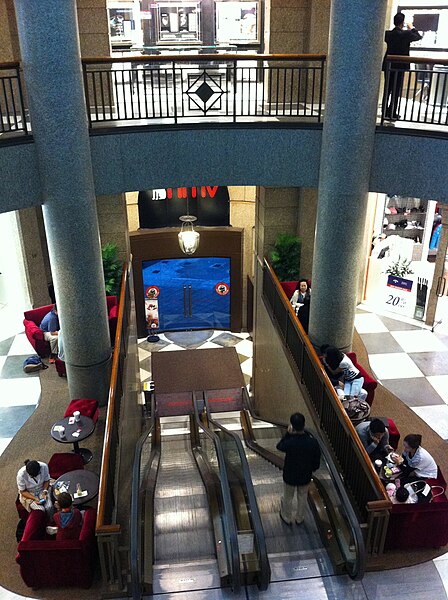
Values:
[(188, 237)]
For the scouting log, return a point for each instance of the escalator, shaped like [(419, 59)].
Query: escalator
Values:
[(330, 540)]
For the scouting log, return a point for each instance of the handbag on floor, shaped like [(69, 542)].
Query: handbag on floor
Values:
[(33, 363)]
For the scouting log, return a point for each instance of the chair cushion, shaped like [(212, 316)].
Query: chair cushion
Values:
[(62, 462), (86, 406), (34, 330)]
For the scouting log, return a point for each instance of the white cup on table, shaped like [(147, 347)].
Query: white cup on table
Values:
[(62, 432), (77, 416)]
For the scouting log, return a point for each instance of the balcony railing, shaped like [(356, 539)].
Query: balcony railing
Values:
[(233, 89), (224, 88)]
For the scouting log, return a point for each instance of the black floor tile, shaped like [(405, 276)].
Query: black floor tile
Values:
[(226, 339), (394, 325), (13, 368), (380, 343), (416, 391), (189, 339), (153, 346), (431, 363), (5, 345), (12, 419)]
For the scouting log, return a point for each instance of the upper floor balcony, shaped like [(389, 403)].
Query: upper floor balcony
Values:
[(232, 90)]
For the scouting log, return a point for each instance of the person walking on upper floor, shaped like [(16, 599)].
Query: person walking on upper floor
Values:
[(302, 457), (50, 326), (398, 42)]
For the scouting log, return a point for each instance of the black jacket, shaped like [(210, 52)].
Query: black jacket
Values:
[(302, 458), (398, 43)]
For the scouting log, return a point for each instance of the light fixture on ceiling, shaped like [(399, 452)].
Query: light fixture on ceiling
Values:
[(188, 237)]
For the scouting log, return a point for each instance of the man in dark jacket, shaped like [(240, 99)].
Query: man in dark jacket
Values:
[(398, 42), (302, 458)]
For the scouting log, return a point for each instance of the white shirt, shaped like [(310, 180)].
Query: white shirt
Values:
[(350, 371), (34, 485), (423, 463)]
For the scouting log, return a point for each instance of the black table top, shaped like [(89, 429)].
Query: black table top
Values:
[(85, 424), (88, 481)]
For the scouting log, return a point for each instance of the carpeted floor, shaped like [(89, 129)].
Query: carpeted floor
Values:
[(388, 405), (33, 441)]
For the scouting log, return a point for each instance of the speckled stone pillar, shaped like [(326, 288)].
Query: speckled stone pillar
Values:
[(353, 78), (49, 43)]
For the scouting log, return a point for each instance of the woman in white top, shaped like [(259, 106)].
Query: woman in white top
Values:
[(301, 292), (340, 366), (33, 481), (419, 464)]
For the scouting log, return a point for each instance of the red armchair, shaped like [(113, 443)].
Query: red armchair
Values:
[(420, 525), (45, 562), (63, 462), (33, 332), (86, 406), (370, 383)]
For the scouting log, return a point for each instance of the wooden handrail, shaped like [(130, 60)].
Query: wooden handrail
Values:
[(201, 57), (336, 402), (104, 473), (10, 65), (417, 59)]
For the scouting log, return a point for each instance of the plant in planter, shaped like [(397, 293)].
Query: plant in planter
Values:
[(285, 257), (112, 268), (399, 268)]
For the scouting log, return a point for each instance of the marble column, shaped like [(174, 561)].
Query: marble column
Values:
[(353, 79), (49, 43)]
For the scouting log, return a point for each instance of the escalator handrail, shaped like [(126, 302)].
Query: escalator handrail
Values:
[(265, 569), (135, 517), (340, 488), (229, 522)]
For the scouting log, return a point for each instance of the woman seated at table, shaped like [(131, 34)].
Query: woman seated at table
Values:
[(418, 462), (301, 292), (33, 481), (338, 365)]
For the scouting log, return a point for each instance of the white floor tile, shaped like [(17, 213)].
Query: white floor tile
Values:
[(442, 567), (170, 348), (440, 384), (142, 354), (418, 341), (19, 392), (2, 362), (436, 417), (209, 345), (245, 348), (144, 374), (369, 323), (394, 366), (246, 367), (21, 346), (3, 444)]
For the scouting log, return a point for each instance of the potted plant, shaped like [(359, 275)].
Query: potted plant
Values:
[(396, 272), (112, 268), (285, 257)]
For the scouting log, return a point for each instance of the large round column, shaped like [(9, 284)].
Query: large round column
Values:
[(353, 78), (49, 43)]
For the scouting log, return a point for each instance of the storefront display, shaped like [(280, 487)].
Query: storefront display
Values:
[(125, 23), (178, 22), (237, 22), (432, 23)]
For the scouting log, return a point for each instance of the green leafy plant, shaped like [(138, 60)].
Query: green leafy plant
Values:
[(399, 268), (285, 257), (112, 268)]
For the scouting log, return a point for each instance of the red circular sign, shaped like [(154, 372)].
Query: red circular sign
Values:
[(152, 291), (222, 288)]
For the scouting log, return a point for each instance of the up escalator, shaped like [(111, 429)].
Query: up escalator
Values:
[(330, 540)]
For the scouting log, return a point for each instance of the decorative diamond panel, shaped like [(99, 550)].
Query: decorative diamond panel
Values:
[(204, 91)]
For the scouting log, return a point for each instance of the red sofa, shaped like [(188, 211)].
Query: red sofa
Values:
[(44, 562), (33, 318), (419, 525)]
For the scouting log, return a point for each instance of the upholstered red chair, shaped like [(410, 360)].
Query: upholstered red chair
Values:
[(33, 332), (370, 383), (60, 367), (21, 510), (63, 462), (45, 562), (86, 406)]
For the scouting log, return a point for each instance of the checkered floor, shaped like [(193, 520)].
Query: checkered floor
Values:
[(197, 340), (411, 362)]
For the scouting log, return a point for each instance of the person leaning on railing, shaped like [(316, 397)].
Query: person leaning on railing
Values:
[(398, 42)]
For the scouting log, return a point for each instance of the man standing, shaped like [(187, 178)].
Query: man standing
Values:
[(398, 42), (50, 327), (302, 458)]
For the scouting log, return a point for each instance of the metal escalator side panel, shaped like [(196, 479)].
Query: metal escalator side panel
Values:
[(142, 500), (355, 566), (215, 481), (244, 501)]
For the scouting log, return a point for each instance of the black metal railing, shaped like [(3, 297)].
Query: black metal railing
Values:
[(415, 90), (359, 476), (12, 107), (182, 89)]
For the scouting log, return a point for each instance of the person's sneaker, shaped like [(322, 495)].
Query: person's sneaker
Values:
[(52, 359), (285, 521)]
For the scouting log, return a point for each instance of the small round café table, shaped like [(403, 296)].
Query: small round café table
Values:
[(87, 427), (87, 480)]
